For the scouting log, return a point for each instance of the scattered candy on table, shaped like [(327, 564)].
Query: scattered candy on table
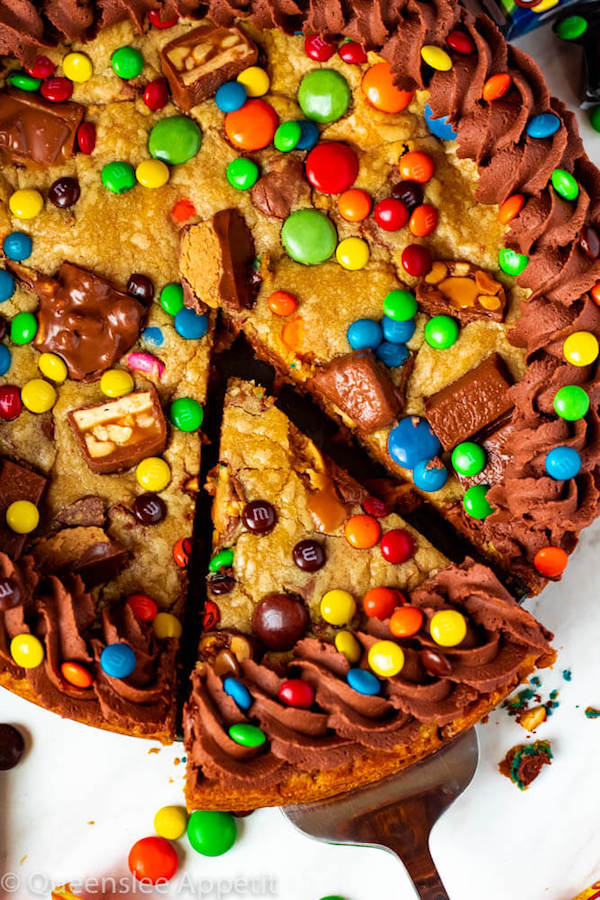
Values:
[(152, 173), (77, 67), (411, 441), (397, 546), (12, 746), (170, 822), (363, 682), (255, 80), (127, 62), (352, 253), (22, 516), (211, 833), (38, 396), (7, 285), (17, 246), (346, 643), (252, 126), (166, 625), (475, 502), (153, 859), (190, 325), (153, 473), (26, 203), (242, 173), (448, 627), (386, 659), (331, 167)]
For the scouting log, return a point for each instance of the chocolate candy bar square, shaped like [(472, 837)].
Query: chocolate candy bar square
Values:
[(116, 435), (463, 291), (472, 403), (36, 132), (16, 483), (200, 61)]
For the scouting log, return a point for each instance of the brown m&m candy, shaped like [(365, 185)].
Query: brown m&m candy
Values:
[(309, 555), (220, 584), (149, 509), (64, 192), (141, 287), (436, 663), (10, 595), (259, 516), (280, 620), (12, 746)]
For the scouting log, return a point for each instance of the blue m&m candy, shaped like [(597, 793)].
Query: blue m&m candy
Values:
[(309, 135), (563, 463), (392, 355), (363, 682), (543, 126), (440, 128), (5, 359), (118, 661), (412, 441), (7, 285), (238, 692), (364, 334), (17, 245), (153, 335), (430, 475), (397, 332), (191, 325), (231, 96)]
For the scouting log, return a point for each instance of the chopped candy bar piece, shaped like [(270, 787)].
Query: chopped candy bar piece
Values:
[(88, 552), (461, 290), (35, 131)]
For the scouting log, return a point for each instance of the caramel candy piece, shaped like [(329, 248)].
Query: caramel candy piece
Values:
[(280, 187), (200, 61), (461, 290), (16, 483), (216, 260), (472, 403), (34, 131), (360, 388), (115, 435)]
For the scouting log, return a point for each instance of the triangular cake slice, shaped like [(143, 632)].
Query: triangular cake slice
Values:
[(339, 645)]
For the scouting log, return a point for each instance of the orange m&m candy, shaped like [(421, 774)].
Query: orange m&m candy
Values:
[(595, 292), (292, 333), (380, 602), (282, 304), (252, 126), (496, 86), (354, 205), (76, 674), (362, 531), (416, 166), (181, 552), (423, 220), (511, 208), (183, 211), (551, 561), (406, 621), (381, 92)]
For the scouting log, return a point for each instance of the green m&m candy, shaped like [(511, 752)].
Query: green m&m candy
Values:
[(564, 184), (23, 81), (571, 28), (118, 177), (175, 140), (23, 328), (221, 560), (400, 305), (287, 136), (324, 95), (468, 459), (441, 332), (309, 237), (512, 262), (171, 298), (571, 402), (595, 117), (247, 735), (242, 173), (186, 414), (476, 503), (211, 833), (127, 62)]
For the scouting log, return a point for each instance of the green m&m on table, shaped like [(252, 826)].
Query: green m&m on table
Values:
[(23, 81), (287, 136), (175, 140), (564, 184), (441, 332), (324, 95), (221, 560), (247, 735), (511, 262), (211, 833), (309, 237)]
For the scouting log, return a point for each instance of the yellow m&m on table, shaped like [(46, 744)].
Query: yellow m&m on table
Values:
[(38, 396), (436, 58), (581, 348), (22, 516), (26, 203), (27, 651), (448, 627), (153, 474), (338, 607), (170, 822)]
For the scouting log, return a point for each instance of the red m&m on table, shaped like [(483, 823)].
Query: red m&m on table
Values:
[(153, 859), (57, 89)]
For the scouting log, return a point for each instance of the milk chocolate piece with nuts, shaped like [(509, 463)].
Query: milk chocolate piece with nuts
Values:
[(34, 131), (471, 404), (116, 435), (216, 260), (200, 61), (361, 389), (461, 290)]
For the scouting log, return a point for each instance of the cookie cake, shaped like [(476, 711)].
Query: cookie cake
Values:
[(385, 202)]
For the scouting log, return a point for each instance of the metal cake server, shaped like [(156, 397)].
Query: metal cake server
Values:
[(398, 813)]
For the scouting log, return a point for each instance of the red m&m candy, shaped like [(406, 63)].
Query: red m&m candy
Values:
[(391, 214), (41, 68), (375, 507), (252, 126), (298, 693), (332, 167), (155, 19), (183, 211), (461, 42), (86, 137), (211, 616), (143, 607), (352, 52), (10, 402), (318, 48), (381, 602), (397, 545), (156, 94), (416, 260), (57, 89), (153, 859)]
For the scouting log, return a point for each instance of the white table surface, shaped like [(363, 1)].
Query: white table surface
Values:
[(81, 798)]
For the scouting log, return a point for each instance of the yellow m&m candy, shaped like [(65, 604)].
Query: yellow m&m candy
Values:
[(22, 516), (153, 474), (386, 658), (448, 627), (255, 80), (53, 367), (346, 643), (170, 822), (27, 651), (581, 348), (436, 58), (26, 203), (38, 396), (338, 607), (116, 383), (166, 625), (77, 67), (152, 173), (352, 253)]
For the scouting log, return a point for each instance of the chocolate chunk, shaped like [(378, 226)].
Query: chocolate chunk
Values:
[(280, 187), (16, 483), (259, 516), (410, 192), (86, 511), (88, 552), (140, 287), (361, 389), (115, 435), (472, 403), (12, 746), (35, 131), (83, 318), (64, 192), (101, 563), (309, 555), (216, 260), (10, 595), (461, 290), (201, 60), (498, 453), (149, 509), (280, 621)]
